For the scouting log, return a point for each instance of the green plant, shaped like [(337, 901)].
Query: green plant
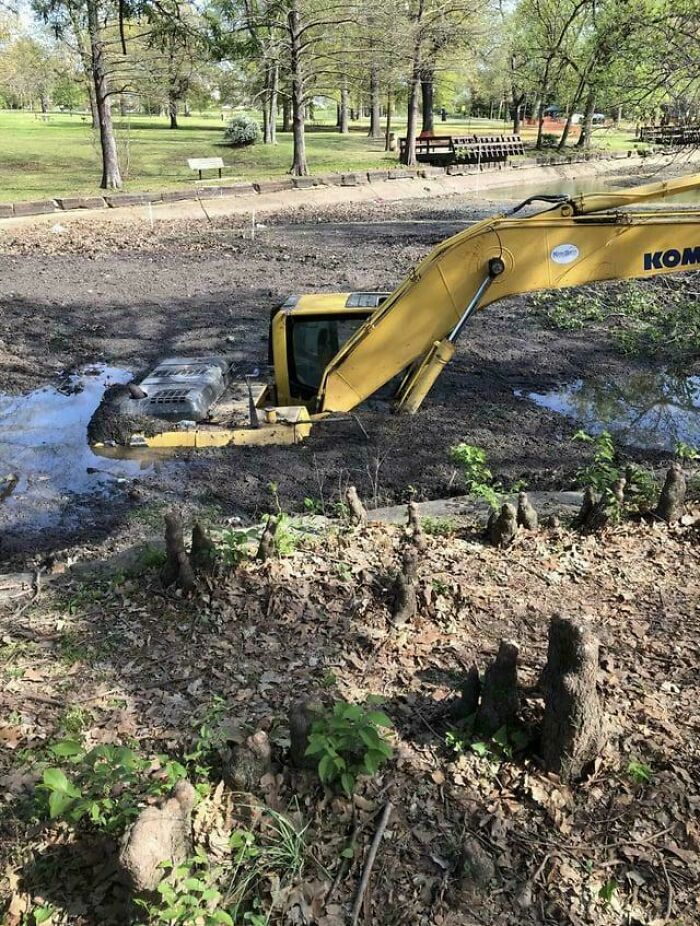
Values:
[(641, 488), (477, 474), (497, 748), (189, 895), (603, 470), (683, 451), (607, 891), (238, 543), (211, 735), (348, 743), (242, 130), (150, 559), (639, 772), (104, 785), (314, 505), (439, 527)]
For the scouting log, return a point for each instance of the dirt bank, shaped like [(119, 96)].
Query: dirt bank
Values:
[(127, 296)]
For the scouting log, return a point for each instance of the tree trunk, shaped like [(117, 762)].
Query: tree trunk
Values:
[(540, 123), (584, 139), (111, 176), (375, 128), (409, 155), (387, 134), (427, 84), (299, 166), (343, 112), (286, 114), (274, 96), (266, 109), (172, 112)]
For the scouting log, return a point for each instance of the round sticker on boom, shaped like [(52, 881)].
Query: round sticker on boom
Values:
[(564, 253)]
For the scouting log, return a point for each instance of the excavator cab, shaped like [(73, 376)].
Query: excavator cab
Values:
[(306, 333)]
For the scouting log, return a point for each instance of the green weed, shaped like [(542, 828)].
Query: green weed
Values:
[(439, 527), (477, 475), (348, 743), (639, 772)]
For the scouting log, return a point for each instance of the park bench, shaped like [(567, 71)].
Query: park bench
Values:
[(443, 150), (670, 134), (200, 164)]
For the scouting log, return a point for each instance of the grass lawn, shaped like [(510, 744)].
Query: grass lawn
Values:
[(60, 156)]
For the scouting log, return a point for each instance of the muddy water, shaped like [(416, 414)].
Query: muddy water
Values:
[(45, 460), (584, 185), (652, 410)]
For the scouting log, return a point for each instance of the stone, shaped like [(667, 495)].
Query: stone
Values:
[(38, 207), (81, 202), (158, 834), (274, 186)]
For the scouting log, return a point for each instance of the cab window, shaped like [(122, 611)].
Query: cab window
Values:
[(312, 344)]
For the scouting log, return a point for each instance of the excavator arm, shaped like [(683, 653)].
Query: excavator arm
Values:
[(584, 239)]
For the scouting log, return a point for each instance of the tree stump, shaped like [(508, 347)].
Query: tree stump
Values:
[(203, 552), (503, 527), (590, 500), (572, 727), (405, 605), (247, 763), (526, 515), (302, 715), (158, 834), (358, 514), (178, 568), (672, 498), (469, 690), (417, 535), (266, 548), (608, 507), (499, 691)]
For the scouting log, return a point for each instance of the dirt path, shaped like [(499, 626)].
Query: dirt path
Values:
[(127, 296)]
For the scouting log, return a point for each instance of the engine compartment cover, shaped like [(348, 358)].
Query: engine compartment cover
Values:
[(182, 388)]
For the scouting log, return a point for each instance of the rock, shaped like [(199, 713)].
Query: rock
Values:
[(247, 763), (499, 691), (526, 516), (503, 527), (672, 498), (572, 726), (158, 834)]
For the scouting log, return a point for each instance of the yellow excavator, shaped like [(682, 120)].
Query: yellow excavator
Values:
[(331, 352)]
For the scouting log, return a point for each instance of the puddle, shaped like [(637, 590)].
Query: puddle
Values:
[(45, 460), (650, 410), (522, 191)]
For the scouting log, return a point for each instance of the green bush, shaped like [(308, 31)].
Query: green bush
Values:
[(242, 130), (348, 743), (477, 475)]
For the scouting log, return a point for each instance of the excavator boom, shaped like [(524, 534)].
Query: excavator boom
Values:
[(578, 240)]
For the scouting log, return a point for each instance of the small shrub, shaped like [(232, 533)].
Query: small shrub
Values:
[(686, 452), (549, 140), (348, 743), (242, 130), (602, 472), (477, 475), (104, 785), (439, 527), (639, 772)]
